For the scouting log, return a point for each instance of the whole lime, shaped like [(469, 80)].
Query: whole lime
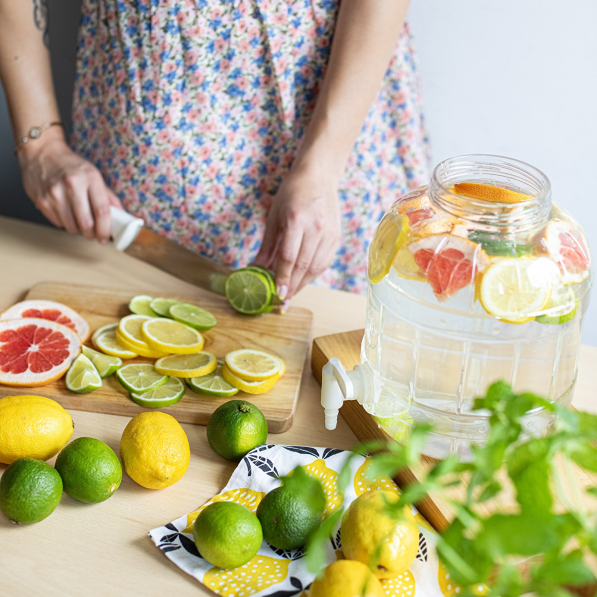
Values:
[(30, 490), (90, 470), (227, 535), (290, 513), (235, 428)]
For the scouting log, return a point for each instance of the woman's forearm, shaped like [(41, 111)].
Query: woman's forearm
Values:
[(25, 69), (364, 40)]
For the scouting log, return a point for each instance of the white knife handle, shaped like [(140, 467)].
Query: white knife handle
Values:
[(124, 228)]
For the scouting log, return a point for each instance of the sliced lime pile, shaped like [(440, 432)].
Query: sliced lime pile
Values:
[(83, 377), (213, 384), (561, 308), (105, 364), (193, 316), (164, 395), (161, 306), (140, 305), (249, 292), (140, 377)]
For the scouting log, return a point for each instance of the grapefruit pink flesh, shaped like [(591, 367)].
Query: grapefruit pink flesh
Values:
[(35, 351)]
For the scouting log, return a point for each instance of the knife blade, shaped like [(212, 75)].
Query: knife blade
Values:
[(131, 236)]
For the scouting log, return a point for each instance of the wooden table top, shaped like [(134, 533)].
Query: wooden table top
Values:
[(104, 549)]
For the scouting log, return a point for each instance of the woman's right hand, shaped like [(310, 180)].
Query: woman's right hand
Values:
[(67, 189)]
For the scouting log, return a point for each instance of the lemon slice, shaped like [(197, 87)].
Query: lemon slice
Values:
[(161, 306), (171, 336), (105, 365), (130, 329), (406, 267), (140, 377), (164, 395), (140, 305), (487, 192), (145, 351), (250, 387), (108, 344), (253, 365), (102, 330), (187, 365), (82, 376), (516, 290), (391, 234), (194, 316)]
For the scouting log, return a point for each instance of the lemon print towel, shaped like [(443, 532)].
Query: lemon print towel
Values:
[(277, 573)]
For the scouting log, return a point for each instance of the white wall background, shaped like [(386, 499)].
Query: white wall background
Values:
[(516, 78)]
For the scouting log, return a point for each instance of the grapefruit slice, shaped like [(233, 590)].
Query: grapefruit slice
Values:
[(35, 352), (52, 311), (568, 248), (449, 262)]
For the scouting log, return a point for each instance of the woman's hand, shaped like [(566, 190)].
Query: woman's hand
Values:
[(302, 232), (67, 189)]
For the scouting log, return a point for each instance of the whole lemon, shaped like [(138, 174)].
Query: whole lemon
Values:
[(32, 427), (155, 450), (347, 578), (368, 525)]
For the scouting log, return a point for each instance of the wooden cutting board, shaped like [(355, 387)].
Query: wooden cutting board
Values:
[(287, 336), (436, 509)]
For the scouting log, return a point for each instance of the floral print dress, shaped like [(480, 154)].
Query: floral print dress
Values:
[(193, 111)]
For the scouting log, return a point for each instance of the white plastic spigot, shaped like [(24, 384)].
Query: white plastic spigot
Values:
[(124, 228), (338, 385)]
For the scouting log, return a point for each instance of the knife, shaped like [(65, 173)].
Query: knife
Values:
[(131, 236)]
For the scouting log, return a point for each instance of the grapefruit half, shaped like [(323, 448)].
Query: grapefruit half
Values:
[(52, 311), (35, 352), (449, 262)]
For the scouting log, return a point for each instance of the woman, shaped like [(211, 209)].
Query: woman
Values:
[(213, 121)]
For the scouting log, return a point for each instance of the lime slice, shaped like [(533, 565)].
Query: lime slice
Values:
[(105, 364), (171, 336), (140, 377), (212, 384), (186, 365), (193, 316), (253, 365), (167, 394), (139, 305), (108, 344), (82, 377), (161, 306), (248, 291), (561, 308)]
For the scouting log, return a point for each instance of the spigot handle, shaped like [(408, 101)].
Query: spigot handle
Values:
[(346, 385)]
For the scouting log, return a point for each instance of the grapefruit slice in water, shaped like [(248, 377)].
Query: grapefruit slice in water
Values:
[(449, 262), (52, 311), (35, 352)]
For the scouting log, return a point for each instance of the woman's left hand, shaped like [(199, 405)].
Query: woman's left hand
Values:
[(302, 232)]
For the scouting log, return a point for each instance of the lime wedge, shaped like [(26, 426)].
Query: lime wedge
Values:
[(165, 395), (82, 377), (249, 292), (140, 377), (105, 364), (561, 308), (212, 384), (161, 306), (193, 316), (139, 305)]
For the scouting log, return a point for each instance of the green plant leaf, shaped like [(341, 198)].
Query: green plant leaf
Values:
[(490, 491), (315, 554), (585, 456), (569, 569)]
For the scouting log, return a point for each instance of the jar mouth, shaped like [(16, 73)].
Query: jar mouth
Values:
[(495, 170)]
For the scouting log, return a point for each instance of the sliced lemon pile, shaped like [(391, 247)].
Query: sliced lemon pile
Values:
[(171, 337), (253, 365), (487, 192), (516, 290), (389, 237), (187, 365), (108, 344), (250, 387), (130, 336)]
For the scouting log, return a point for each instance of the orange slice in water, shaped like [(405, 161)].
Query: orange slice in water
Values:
[(487, 192)]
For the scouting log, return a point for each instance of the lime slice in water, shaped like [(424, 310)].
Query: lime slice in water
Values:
[(161, 306), (186, 365), (249, 292), (139, 305), (140, 377), (105, 364), (165, 395), (193, 316), (212, 385), (82, 377), (561, 308)]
